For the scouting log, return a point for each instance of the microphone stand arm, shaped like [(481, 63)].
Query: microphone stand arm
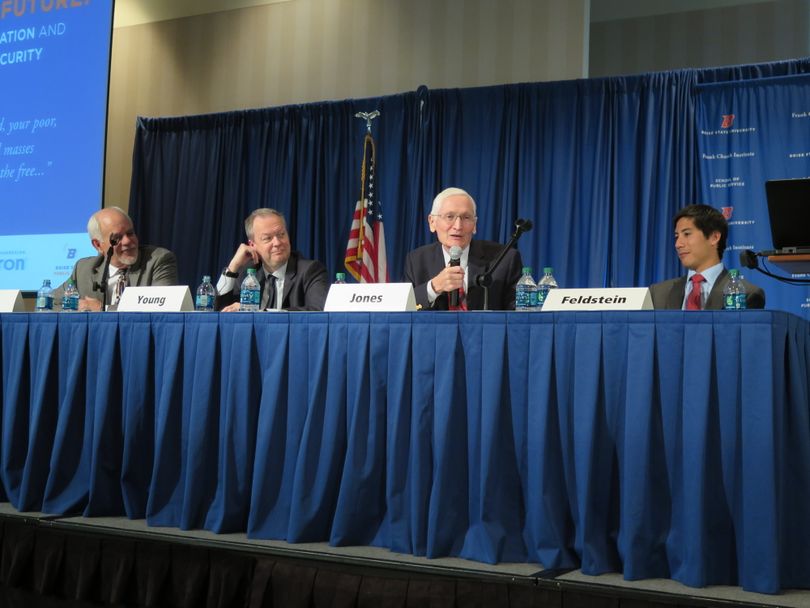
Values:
[(105, 276), (484, 280)]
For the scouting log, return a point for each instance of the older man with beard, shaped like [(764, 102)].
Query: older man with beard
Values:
[(130, 264)]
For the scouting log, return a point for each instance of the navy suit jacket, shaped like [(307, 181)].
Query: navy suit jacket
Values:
[(669, 294), (424, 263), (305, 285)]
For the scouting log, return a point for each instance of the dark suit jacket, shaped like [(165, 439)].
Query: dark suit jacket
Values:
[(305, 285), (424, 263), (668, 295), (156, 266)]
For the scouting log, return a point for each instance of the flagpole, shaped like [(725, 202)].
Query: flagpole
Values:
[(365, 256)]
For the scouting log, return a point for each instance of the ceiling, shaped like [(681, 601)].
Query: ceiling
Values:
[(611, 10), (135, 12)]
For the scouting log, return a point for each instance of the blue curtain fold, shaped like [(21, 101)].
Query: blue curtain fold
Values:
[(599, 165)]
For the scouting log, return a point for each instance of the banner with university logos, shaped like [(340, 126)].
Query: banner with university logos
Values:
[(750, 132)]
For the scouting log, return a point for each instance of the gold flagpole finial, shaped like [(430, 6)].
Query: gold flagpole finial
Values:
[(368, 117)]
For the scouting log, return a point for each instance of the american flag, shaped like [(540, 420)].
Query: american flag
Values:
[(365, 252)]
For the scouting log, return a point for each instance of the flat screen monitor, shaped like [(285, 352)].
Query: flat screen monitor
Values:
[(789, 214)]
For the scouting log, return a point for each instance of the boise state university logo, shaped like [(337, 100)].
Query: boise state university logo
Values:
[(727, 211), (728, 120)]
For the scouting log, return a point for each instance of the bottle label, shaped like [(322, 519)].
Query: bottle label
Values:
[(523, 297), (44, 303), (734, 301), (250, 299), (70, 303), (204, 301)]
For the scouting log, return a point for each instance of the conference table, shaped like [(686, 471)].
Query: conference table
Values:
[(655, 444)]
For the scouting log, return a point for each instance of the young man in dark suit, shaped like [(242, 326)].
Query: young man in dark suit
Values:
[(700, 240)]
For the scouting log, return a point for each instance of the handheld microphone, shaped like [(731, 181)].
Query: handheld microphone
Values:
[(455, 260), (114, 239)]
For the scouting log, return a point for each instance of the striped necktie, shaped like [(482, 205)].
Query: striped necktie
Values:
[(120, 285), (462, 300)]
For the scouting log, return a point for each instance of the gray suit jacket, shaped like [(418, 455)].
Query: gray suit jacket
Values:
[(668, 295), (155, 267), (424, 263)]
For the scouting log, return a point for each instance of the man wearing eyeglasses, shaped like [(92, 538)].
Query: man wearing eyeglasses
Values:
[(453, 219), (130, 263), (288, 281)]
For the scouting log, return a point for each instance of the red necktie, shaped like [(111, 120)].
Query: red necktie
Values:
[(462, 301), (693, 301)]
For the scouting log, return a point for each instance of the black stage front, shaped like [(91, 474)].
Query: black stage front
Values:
[(79, 562)]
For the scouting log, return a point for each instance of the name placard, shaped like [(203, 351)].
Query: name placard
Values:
[(370, 297), (173, 298), (11, 301), (624, 298)]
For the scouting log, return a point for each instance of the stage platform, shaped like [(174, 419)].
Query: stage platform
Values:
[(158, 566)]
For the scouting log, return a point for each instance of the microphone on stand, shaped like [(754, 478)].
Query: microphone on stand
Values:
[(455, 260), (748, 258), (484, 279), (105, 275)]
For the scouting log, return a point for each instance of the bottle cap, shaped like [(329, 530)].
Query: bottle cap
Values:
[(527, 270), (340, 276), (733, 272), (251, 271), (548, 270), (206, 278)]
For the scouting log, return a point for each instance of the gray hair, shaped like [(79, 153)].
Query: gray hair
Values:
[(447, 193), (94, 228), (261, 212)]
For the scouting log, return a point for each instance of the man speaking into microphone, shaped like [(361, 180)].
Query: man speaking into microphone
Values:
[(443, 274)]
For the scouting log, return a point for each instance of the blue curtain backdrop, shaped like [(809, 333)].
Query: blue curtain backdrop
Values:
[(599, 165), (765, 135)]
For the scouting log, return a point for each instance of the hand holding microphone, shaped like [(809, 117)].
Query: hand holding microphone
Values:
[(451, 278), (455, 261)]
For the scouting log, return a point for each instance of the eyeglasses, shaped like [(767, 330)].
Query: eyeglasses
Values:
[(450, 218), (281, 235)]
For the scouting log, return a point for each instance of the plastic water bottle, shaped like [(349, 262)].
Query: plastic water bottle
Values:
[(206, 294), (70, 297), (250, 297), (526, 292), (734, 292), (340, 278), (44, 297), (547, 283)]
